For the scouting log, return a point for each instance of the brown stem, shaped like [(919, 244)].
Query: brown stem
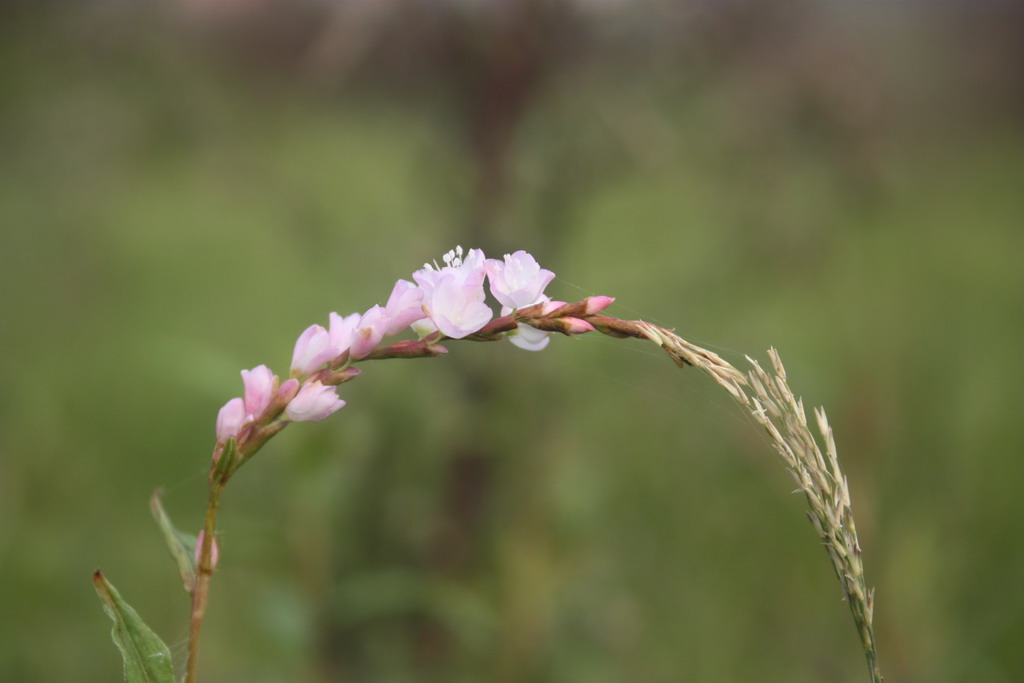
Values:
[(204, 572), (407, 349)]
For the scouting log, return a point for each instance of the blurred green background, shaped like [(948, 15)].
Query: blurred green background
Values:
[(185, 186)]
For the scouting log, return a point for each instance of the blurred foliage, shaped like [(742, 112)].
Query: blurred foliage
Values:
[(184, 188)]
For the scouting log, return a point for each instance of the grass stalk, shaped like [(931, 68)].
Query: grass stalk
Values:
[(815, 467)]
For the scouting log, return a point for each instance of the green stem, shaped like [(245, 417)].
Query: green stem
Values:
[(867, 640)]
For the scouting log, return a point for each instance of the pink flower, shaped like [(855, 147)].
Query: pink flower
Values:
[(456, 305), (214, 552), (518, 281), (312, 350), (405, 306), (470, 269), (453, 295), (230, 420), (368, 332), (341, 332), (260, 385), (314, 402)]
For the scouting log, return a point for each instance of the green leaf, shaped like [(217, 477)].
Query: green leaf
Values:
[(181, 545), (146, 658)]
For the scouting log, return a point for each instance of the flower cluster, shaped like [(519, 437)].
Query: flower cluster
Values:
[(444, 302), (441, 302)]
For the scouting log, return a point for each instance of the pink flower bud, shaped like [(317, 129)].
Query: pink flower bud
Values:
[(287, 391), (230, 419), (563, 325), (260, 384), (576, 326), (550, 306), (588, 307), (596, 304), (214, 551), (369, 332), (405, 306), (341, 332), (518, 280), (312, 350), (314, 402)]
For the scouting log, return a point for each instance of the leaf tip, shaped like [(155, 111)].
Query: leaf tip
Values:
[(102, 586)]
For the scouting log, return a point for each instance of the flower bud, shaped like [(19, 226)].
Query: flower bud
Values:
[(260, 385), (563, 325), (288, 390), (404, 307), (341, 332), (312, 350), (548, 307), (589, 306), (230, 419), (368, 332), (595, 304), (576, 326), (314, 402)]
